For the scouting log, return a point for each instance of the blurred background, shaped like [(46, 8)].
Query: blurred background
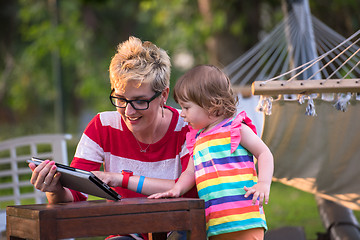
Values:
[(55, 57), (55, 54)]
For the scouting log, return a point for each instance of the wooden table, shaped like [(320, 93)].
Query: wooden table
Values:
[(102, 218)]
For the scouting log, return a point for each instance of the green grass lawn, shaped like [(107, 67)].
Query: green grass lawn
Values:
[(292, 207)]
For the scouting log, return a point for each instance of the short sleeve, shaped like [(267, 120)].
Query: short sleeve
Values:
[(236, 127), (190, 139)]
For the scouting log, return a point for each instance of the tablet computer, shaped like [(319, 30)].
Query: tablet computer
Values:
[(82, 181)]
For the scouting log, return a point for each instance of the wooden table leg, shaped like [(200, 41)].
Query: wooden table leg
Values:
[(197, 231)]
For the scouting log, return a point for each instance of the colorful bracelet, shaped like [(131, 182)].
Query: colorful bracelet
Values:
[(140, 184)]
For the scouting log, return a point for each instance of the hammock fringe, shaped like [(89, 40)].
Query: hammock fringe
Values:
[(265, 105), (342, 101)]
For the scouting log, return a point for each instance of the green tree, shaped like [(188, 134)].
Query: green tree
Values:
[(86, 33)]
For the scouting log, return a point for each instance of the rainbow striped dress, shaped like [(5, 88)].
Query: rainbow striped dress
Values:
[(222, 168)]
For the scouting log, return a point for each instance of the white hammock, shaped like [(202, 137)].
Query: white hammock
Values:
[(320, 154), (275, 58)]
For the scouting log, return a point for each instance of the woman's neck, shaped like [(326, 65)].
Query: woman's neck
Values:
[(159, 130)]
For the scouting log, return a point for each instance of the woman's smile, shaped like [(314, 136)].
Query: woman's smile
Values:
[(133, 119)]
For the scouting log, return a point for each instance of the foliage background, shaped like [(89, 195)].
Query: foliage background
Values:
[(54, 55)]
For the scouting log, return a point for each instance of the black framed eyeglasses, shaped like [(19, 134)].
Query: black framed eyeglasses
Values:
[(138, 104)]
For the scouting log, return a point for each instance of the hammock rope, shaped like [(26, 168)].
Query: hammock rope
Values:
[(273, 60)]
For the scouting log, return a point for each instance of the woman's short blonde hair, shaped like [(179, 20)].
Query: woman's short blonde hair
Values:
[(138, 62), (208, 87)]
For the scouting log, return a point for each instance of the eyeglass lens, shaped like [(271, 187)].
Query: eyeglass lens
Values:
[(136, 104)]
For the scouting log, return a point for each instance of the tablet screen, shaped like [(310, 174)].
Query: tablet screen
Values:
[(82, 181)]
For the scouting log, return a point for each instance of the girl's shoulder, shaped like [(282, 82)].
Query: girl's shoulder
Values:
[(191, 139), (235, 129), (242, 118)]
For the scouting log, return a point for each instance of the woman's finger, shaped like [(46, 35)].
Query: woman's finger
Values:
[(36, 172), (49, 179), (42, 174)]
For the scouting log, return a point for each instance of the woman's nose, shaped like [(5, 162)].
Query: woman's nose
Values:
[(129, 109)]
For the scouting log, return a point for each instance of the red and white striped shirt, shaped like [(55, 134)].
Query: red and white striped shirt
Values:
[(107, 140)]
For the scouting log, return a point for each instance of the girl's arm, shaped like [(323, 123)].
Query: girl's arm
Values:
[(185, 183), (262, 153)]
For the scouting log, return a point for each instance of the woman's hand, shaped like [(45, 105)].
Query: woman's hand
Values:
[(260, 190), (110, 178), (45, 178), (171, 193)]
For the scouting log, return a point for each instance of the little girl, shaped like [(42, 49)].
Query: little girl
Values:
[(222, 147)]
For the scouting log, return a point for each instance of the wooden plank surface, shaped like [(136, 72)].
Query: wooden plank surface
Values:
[(277, 87), (100, 218)]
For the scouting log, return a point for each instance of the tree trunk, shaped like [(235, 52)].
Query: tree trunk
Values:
[(225, 46)]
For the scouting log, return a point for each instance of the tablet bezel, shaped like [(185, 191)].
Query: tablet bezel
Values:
[(82, 181)]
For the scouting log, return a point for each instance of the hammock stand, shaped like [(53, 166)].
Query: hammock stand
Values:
[(326, 85), (306, 87)]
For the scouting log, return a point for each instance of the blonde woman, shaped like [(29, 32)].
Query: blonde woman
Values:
[(141, 145)]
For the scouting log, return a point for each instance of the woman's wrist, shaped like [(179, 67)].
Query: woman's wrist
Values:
[(140, 184), (60, 195)]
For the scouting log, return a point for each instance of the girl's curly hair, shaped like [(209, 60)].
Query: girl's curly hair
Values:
[(208, 87)]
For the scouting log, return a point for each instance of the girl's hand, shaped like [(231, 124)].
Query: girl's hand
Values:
[(260, 190), (110, 178), (171, 193)]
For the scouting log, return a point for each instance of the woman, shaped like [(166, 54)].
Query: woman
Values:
[(141, 145)]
